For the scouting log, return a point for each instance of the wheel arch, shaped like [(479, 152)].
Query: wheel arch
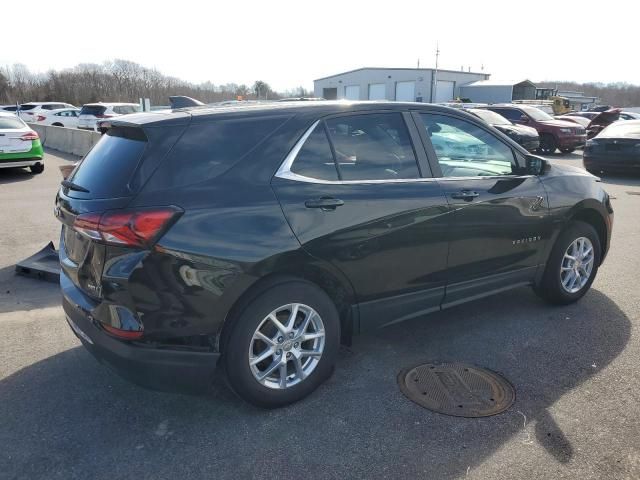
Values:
[(337, 288), (594, 218)]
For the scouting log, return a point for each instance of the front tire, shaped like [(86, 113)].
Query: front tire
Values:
[(283, 345), (567, 150), (572, 265), (548, 144), (38, 168)]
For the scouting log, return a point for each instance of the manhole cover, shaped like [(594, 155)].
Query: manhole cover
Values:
[(457, 389)]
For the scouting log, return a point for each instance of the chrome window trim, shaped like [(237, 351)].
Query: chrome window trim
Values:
[(285, 172)]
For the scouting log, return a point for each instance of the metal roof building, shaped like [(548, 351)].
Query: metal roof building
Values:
[(498, 91), (399, 84)]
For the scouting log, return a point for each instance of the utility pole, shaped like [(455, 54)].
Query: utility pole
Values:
[(434, 83)]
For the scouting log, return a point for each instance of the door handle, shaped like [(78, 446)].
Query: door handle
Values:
[(466, 195), (325, 203)]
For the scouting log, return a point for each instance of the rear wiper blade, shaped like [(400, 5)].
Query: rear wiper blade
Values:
[(73, 186)]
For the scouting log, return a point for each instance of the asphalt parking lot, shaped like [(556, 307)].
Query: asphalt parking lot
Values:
[(575, 370)]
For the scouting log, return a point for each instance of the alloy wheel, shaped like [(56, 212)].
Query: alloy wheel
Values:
[(577, 265), (287, 346)]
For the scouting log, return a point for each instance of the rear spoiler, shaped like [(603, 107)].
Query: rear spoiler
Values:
[(181, 101)]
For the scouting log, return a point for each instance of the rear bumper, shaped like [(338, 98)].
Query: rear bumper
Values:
[(155, 368), (20, 163), (611, 163)]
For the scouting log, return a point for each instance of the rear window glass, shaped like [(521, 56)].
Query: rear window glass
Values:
[(27, 107), (10, 109), (10, 122), (125, 109), (92, 110), (53, 106), (209, 148), (108, 167)]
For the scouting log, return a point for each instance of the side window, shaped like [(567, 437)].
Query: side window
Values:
[(373, 147), (315, 159), (465, 150)]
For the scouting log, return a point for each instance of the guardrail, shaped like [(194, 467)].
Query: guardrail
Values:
[(68, 140)]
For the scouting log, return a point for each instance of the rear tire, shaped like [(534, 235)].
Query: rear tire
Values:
[(548, 144), (566, 281), (567, 150), (35, 169), (57, 124), (291, 367)]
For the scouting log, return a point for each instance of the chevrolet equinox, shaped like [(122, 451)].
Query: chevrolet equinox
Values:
[(258, 238)]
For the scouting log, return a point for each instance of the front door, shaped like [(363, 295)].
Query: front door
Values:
[(500, 220), (358, 194)]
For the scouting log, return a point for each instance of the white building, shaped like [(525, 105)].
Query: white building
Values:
[(399, 84)]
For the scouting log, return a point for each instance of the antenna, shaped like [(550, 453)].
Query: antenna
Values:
[(418, 63)]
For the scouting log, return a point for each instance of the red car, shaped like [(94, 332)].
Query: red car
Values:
[(554, 134)]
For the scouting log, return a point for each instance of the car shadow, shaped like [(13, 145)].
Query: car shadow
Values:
[(12, 175), (629, 180), (21, 293), (70, 417)]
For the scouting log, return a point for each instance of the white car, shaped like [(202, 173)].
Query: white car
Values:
[(629, 115), (62, 117), (92, 112), (20, 146), (29, 111)]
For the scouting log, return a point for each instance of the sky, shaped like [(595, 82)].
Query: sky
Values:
[(290, 43)]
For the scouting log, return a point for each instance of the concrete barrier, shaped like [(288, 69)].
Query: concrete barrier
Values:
[(68, 140)]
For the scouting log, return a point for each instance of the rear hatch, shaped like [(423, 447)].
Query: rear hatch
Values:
[(89, 114), (14, 136), (97, 192)]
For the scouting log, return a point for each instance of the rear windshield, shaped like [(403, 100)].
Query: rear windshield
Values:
[(53, 106), (93, 110), (125, 109), (108, 167), (10, 109), (10, 123), (27, 107)]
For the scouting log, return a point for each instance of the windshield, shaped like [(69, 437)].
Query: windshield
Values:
[(628, 129), (537, 114), (492, 118)]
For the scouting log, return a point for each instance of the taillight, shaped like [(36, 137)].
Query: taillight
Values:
[(29, 136), (102, 115), (127, 228), (40, 118), (124, 334)]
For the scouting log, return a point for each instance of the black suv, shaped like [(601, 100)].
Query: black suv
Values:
[(259, 237)]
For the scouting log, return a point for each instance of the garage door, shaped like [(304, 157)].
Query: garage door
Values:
[(405, 91), (352, 92), (444, 93), (377, 91)]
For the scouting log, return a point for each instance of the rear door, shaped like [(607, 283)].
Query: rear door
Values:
[(358, 193), (500, 222)]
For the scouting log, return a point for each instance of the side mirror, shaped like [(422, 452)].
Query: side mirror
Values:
[(535, 165), (524, 119)]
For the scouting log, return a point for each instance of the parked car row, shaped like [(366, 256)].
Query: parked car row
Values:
[(59, 114)]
